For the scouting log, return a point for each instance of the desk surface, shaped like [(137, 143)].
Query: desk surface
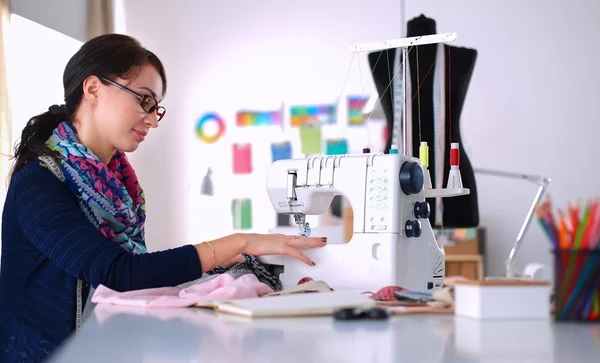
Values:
[(119, 334)]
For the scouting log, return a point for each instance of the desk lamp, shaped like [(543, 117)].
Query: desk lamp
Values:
[(542, 183)]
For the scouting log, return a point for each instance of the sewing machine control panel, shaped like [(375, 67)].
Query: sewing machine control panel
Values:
[(381, 183), (379, 199)]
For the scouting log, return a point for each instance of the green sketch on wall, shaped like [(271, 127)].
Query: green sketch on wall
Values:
[(241, 212)]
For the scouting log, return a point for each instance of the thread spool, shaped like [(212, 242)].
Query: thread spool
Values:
[(424, 154), (454, 154)]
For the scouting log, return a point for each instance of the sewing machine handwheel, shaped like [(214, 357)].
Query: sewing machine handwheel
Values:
[(411, 178)]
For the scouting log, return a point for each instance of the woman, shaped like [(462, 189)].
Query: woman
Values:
[(74, 213)]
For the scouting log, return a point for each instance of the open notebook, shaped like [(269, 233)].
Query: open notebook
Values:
[(303, 304)]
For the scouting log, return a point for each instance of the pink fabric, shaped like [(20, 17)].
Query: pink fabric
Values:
[(222, 287)]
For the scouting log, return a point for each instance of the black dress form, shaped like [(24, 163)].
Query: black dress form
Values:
[(458, 212)]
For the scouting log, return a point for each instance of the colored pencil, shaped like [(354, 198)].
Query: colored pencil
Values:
[(574, 233), (546, 227), (574, 262), (567, 229), (589, 225), (562, 234)]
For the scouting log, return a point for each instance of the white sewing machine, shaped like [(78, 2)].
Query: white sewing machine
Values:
[(392, 242)]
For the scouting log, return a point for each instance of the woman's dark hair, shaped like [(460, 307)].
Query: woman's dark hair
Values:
[(109, 56)]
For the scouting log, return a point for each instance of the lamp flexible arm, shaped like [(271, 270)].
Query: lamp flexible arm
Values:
[(543, 183)]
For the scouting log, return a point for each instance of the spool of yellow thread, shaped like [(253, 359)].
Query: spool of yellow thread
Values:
[(424, 154)]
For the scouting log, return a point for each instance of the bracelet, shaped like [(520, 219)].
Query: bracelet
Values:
[(214, 259)]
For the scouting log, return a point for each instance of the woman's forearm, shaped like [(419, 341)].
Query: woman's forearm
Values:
[(225, 249)]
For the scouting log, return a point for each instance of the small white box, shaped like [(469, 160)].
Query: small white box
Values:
[(502, 299), (498, 340)]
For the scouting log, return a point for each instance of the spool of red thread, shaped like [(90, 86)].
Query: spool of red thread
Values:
[(454, 154)]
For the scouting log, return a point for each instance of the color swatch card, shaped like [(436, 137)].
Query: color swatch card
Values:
[(281, 150), (258, 118), (323, 114), (310, 137), (242, 158), (241, 213), (337, 147), (356, 105)]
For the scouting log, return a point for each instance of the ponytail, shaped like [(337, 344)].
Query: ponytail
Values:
[(35, 134)]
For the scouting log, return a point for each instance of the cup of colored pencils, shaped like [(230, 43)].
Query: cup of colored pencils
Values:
[(574, 234)]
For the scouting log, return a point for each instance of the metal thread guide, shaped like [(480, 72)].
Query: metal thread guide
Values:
[(400, 124)]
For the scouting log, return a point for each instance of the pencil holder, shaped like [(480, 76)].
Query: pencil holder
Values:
[(577, 285)]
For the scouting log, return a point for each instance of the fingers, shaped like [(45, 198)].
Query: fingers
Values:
[(304, 242), (294, 242), (280, 244), (290, 251)]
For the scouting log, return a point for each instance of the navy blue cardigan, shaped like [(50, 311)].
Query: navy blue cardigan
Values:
[(47, 244)]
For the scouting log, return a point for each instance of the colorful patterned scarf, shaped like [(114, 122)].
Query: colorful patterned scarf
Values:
[(109, 195)]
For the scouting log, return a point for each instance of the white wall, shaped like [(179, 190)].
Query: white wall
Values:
[(65, 16), (244, 55), (530, 107), (535, 74), (34, 78)]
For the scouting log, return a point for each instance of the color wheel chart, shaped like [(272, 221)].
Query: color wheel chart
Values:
[(210, 127)]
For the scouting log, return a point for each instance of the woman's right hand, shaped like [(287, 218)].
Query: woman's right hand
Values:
[(228, 250), (280, 244)]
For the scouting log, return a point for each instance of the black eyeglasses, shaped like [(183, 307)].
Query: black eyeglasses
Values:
[(148, 103)]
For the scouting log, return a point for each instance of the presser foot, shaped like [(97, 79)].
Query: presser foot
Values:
[(304, 230), (303, 227)]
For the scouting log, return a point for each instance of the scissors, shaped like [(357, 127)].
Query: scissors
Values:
[(375, 313)]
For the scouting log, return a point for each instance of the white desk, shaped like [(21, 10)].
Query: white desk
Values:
[(117, 334)]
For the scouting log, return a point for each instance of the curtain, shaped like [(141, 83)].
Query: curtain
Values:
[(100, 17), (5, 117)]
